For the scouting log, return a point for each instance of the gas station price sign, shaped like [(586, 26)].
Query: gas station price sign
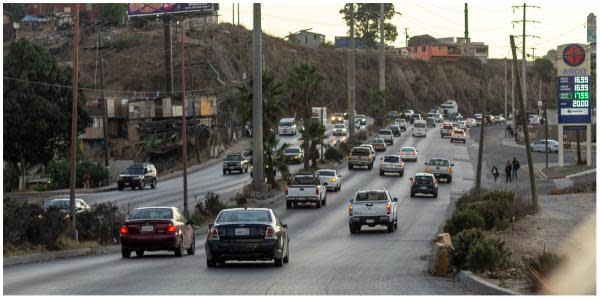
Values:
[(574, 99)]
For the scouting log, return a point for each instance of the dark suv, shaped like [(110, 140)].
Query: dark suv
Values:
[(424, 183), (236, 162), (138, 175)]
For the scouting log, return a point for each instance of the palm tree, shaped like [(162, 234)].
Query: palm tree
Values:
[(305, 83), (275, 160), (316, 132), (272, 104)]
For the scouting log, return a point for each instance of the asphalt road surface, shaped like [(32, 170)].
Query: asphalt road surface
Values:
[(324, 257)]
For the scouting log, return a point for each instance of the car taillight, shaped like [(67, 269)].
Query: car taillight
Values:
[(213, 235), (124, 230), (286, 190), (270, 234), (317, 190), (388, 208), (350, 209), (171, 228)]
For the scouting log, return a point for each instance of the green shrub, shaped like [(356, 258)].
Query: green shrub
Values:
[(462, 243), (362, 135), (213, 205), (539, 267), (240, 199), (497, 207), (100, 224), (464, 219), (488, 255), (59, 172), (334, 154), (17, 216)]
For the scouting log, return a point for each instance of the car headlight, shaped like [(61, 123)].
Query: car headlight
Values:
[(296, 156)]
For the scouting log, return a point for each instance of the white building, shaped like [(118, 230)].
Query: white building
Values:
[(307, 38)]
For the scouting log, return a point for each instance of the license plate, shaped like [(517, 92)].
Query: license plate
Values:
[(370, 221), (423, 188), (147, 228), (242, 231)]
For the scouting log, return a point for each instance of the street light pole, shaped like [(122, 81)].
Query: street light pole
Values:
[(184, 139), (257, 111), (74, 102), (482, 130), (381, 51), (351, 80)]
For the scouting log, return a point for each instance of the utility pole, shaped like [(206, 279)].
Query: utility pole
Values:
[(406, 36), (505, 90), (381, 51), (104, 108), (521, 95), (484, 93), (546, 129), (257, 111), (238, 14), (532, 53), (523, 48), (184, 139), (74, 88), (168, 50), (467, 39), (351, 81), (512, 86)]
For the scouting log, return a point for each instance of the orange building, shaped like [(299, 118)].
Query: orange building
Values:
[(434, 51)]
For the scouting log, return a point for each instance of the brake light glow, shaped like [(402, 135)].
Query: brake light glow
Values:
[(270, 234), (317, 190), (213, 235), (388, 208), (124, 229), (426, 168), (171, 228), (350, 209), (286, 190)]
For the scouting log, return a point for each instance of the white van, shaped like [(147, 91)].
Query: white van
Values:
[(419, 128), (287, 126)]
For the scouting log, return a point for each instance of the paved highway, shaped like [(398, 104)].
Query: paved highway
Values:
[(324, 257)]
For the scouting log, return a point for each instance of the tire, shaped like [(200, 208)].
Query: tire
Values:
[(288, 204), (449, 179), (381, 173), (401, 174), (139, 253), (142, 185), (435, 195), (354, 229), (224, 172), (153, 184), (120, 187), (246, 170), (370, 166), (286, 258), (412, 195), (192, 249), (350, 167), (126, 253), (396, 224), (278, 262), (179, 249), (318, 204), (390, 227), (211, 263), (324, 202)]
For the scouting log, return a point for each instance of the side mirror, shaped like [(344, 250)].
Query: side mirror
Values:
[(411, 179), (210, 226), (284, 225), (452, 165), (395, 200), (351, 200), (339, 175)]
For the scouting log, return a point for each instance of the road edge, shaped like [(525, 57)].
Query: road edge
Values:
[(481, 286)]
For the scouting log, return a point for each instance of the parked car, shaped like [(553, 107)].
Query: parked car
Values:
[(423, 183), (402, 124), (294, 154), (245, 234), (338, 118), (430, 121), (440, 167), (540, 146), (458, 135), (64, 205), (378, 144), (387, 135), (446, 129), (499, 119), (331, 178), (370, 147), (419, 128), (305, 188), (489, 120), (340, 129), (409, 153), (157, 229), (395, 130), (372, 208), (236, 162), (391, 164), (360, 156), (138, 175)]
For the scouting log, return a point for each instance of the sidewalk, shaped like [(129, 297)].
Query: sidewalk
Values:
[(511, 143), (568, 171)]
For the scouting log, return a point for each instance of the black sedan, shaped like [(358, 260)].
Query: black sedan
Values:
[(423, 183), (246, 234)]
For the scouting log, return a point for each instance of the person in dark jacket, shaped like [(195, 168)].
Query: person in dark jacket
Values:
[(508, 171), (515, 167), (495, 173)]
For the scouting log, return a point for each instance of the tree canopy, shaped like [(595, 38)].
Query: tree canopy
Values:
[(37, 106), (366, 22)]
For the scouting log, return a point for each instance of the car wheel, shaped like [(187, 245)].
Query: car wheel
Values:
[(318, 204), (139, 253), (278, 262), (324, 202), (192, 249), (120, 187), (435, 195), (288, 204), (350, 167), (401, 173), (449, 179), (354, 229), (381, 173), (126, 253), (142, 185), (224, 172), (246, 170), (396, 224), (286, 259), (153, 184), (179, 249), (412, 195), (211, 263), (370, 166), (390, 227)]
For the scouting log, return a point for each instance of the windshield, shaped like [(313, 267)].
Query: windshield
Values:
[(371, 196), (423, 179), (391, 159), (285, 124), (151, 213), (340, 126), (325, 173), (438, 162), (420, 125), (304, 180), (459, 132), (378, 141), (292, 151), (135, 170), (360, 116), (234, 157), (244, 216), (407, 149), (61, 204)]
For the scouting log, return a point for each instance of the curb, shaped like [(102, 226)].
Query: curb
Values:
[(481, 286), (52, 255)]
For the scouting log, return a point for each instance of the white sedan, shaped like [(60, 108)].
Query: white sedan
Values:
[(540, 146), (340, 129), (409, 153), (330, 178)]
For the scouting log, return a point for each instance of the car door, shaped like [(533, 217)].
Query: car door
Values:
[(186, 229), (282, 233)]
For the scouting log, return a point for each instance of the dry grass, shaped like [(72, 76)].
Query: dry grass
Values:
[(64, 243), (577, 188)]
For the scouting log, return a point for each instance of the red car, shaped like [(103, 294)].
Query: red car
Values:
[(157, 229)]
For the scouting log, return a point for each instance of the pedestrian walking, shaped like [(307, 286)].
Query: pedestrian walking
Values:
[(495, 173), (86, 180), (515, 167), (508, 171)]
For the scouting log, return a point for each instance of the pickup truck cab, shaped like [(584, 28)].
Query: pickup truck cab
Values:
[(446, 129), (387, 135), (440, 167), (362, 157), (372, 208), (370, 148), (305, 188), (235, 162)]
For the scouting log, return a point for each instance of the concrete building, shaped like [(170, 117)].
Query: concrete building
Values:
[(307, 38)]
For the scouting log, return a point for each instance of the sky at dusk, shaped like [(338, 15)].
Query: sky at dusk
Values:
[(561, 22)]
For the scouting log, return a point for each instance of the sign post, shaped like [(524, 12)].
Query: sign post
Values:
[(573, 88)]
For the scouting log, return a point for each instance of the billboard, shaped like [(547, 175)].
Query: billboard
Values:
[(153, 9), (574, 103), (573, 60)]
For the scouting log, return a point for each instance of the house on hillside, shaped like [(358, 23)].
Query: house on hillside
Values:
[(307, 38), (89, 10), (426, 47)]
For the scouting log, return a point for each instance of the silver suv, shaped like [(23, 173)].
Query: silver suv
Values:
[(387, 135)]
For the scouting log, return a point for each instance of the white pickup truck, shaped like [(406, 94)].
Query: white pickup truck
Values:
[(371, 208), (305, 188)]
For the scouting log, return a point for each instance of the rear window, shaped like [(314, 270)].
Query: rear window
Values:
[(244, 216), (438, 162), (459, 132), (304, 180), (371, 196), (61, 204), (420, 125), (391, 159), (359, 151), (325, 173), (378, 141), (385, 131), (423, 179), (447, 127), (151, 213), (408, 150), (340, 126)]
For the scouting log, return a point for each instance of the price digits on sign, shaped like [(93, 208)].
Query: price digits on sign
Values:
[(581, 79)]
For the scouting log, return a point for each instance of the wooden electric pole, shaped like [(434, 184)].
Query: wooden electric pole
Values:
[(74, 88)]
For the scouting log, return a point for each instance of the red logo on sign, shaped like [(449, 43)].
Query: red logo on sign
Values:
[(573, 55)]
